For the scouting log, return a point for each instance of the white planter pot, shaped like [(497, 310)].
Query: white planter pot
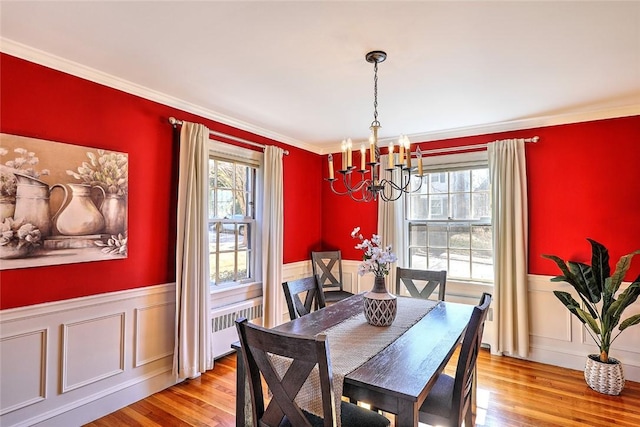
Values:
[(606, 378)]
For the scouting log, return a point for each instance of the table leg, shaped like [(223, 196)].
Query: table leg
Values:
[(240, 389), (407, 414)]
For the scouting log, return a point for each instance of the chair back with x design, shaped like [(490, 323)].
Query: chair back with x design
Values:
[(305, 352), (313, 296), (327, 267), (433, 279)]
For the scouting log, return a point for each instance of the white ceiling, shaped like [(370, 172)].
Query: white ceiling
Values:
[(295, 71)]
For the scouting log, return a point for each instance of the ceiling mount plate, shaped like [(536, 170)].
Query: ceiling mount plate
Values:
[(376, 56)]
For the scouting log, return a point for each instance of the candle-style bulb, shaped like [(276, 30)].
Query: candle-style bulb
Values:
[(330, 158), (407, 146)]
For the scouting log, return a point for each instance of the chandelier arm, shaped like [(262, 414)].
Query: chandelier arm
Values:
[(349, 187), (390, 198), (401, 187)]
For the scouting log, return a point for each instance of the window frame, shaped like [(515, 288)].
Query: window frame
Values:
[(442, 164), (230, 292)]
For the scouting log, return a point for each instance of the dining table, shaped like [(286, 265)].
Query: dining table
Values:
[(398, 376)]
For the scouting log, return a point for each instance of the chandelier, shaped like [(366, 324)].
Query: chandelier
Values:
[(376, 180)]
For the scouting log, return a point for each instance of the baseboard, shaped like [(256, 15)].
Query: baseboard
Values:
[(108, 401)]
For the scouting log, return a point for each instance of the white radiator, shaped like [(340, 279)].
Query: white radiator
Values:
[(223, 323)]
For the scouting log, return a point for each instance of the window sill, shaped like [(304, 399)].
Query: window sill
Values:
[(237, 293)]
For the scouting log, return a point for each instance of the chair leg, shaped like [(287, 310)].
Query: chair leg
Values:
[(468, 418)]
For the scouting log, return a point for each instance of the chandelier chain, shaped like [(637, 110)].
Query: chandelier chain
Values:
[(375, 121)]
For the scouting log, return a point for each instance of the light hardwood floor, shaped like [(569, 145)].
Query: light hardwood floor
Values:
[(511, 393)]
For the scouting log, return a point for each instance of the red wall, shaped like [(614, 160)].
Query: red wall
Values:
[(583, 181), (42, 103)]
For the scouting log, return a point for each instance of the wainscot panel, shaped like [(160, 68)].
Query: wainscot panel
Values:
[(69, 362)]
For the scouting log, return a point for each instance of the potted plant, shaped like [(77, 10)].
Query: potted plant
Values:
[(600, 310), (380, 307)]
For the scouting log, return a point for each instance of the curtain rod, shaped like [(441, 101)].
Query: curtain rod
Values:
[(175, 122), (470, 147)]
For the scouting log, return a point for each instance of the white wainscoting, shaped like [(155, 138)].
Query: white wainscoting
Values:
[(67, 363)]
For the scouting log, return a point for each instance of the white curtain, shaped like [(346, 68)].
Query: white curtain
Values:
[(507, 169), (390, 226), (193, 352), (272, 236)]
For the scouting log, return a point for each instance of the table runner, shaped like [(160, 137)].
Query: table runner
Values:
[(352, 343)]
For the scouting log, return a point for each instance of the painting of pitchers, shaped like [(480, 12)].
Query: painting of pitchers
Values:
[(60, 203)]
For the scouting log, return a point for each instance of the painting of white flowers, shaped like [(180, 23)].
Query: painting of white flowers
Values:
[(60, 203)]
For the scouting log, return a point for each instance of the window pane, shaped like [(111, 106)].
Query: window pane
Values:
[(461, 206), (481, 237), (479, 179), (243, 236), (417, 235), (417, 258), (224, 174), (240, 205), (213, 267), (482, 265), (418, 206), (437, 235), (459, 263), (460, 181), (227, 238), (482, 206), (212, 204), (224, 208), (438, 183), (438, 206), (438, 259), (226, 269), (459, 236), (243, 272)]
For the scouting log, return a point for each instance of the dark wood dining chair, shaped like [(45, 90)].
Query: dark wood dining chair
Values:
[(306, 352), (433, 279), (450, 400), (327, 267), (313, 296)]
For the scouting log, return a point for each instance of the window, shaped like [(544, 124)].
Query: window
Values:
[(232, 220), (448, 223)]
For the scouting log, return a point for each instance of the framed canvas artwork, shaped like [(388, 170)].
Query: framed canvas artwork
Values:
[(60, 203)]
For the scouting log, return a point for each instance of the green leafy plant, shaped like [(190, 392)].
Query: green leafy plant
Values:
[(601, 309)]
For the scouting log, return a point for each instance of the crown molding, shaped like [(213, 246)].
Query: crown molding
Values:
[(57, 63), (530, 123), (49, 60)]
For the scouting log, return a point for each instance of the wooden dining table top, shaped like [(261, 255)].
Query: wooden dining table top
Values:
[(399, 377)]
